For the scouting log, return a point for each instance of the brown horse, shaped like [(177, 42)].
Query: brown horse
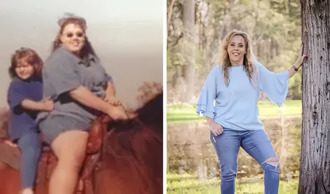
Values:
[(131, 159)]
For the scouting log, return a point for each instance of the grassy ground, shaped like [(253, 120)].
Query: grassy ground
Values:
[(180, 113), (184, 184)]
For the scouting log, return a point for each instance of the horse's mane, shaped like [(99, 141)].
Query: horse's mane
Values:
[(152, 113)]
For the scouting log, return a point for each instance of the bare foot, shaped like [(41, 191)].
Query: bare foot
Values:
[(10, 143)]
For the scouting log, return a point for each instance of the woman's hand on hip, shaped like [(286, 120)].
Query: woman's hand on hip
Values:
[(215, 128)]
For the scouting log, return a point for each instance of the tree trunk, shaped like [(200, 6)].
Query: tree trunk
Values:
[(315, 152), (289, 8), (189, 45), (170, 11)]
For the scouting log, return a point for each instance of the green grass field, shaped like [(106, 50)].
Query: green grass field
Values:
[(179, 113), (184, 184)]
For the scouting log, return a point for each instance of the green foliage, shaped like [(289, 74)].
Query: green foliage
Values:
[(274, 26)]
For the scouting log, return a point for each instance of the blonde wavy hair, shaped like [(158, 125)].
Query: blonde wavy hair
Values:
[(248, 61)]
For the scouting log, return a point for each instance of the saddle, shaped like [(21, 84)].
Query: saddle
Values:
[(48, 160)]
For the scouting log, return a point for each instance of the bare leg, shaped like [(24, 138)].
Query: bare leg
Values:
[(70, 148), (27, 191)]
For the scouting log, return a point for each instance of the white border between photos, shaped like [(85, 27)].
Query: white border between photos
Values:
[(164, 96)]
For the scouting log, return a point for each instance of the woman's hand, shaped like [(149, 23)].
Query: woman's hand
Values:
[(293, 70), (87, 98), (215, 128), (300, 61), (117, 112), (112, 100), (110, 95)]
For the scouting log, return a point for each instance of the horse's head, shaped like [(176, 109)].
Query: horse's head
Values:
[(151, 114), (134, 151)]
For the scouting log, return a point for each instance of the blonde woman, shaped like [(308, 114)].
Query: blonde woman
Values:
[(229, 100)]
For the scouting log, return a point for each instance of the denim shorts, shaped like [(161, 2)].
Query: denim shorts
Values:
[(54, 125)]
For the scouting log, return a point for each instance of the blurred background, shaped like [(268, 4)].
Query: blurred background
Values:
[(126, 35), (195, 29)]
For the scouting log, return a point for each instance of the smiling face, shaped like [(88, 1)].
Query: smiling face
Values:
[(73, 38), (236, 50), (24, 70)]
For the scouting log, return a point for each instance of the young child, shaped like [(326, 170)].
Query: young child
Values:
[(25, 101)]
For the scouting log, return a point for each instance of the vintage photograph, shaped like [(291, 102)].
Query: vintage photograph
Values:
[(81, 98)]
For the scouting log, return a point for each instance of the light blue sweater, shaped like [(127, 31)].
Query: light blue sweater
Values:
[(236, 107)]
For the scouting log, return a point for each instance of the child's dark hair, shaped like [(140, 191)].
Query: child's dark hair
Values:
[(31, 57)]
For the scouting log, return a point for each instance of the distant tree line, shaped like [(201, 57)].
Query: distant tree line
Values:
[(196, 28)]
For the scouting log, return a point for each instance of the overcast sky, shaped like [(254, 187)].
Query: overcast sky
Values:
[(126, 34)]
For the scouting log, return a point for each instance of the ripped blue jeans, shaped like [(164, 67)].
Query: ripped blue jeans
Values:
[(256, 144)]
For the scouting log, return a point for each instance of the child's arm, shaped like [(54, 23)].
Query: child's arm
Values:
[(44, 105)]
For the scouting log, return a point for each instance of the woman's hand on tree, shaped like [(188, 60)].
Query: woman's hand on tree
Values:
[(294, 68), (300, 61)]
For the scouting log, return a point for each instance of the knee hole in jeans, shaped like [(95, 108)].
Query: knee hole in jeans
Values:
[(274, 161)]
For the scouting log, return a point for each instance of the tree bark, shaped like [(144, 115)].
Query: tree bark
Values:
[(315, 152), (189, 47), (170, 11)]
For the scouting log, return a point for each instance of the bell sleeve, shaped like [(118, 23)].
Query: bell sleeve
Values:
[(275, 85), (205, 104)]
